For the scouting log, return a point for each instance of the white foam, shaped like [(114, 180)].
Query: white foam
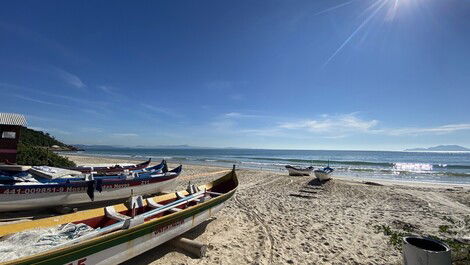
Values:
[(412, 167)]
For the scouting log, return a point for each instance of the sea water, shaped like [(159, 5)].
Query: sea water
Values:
[(442, 167)]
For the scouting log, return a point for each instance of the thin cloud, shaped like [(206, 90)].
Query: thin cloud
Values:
[(52, 95), (265, 132), (159, 110), (91, 130), (325, 126), (106, 89), (240, 115), (56, 72), (444, 129), (124, 134), (110, 90), (339, 123), (69, 78), (39, 101)]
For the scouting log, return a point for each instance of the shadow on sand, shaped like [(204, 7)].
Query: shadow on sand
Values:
[(317, 183), (162, 250)]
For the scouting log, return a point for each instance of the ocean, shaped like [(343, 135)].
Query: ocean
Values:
[(440, 167)]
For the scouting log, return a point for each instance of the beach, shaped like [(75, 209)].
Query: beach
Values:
[(277, 219)]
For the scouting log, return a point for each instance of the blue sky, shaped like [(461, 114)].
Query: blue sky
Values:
[(360, 74)]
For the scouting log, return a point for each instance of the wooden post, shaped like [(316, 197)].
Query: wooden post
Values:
[(64, 209), (193, 247)]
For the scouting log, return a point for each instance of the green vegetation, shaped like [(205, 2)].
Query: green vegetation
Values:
[(446, 230), (39, 156), (33, 150), (31, 137), (395, 236)]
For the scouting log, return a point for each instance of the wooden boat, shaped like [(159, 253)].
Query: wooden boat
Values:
[(116, 169), (299, 171), (324, 174), (47, 174), (117, 236), (44, 192)]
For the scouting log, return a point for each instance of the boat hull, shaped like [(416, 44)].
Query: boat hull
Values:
[(322, 175), (22, 197), (299, 172)]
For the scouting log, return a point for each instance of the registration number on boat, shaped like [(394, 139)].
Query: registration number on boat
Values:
[(165, 228), (40, 190)]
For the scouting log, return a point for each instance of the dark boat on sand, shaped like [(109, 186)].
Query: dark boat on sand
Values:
[(299, 171)]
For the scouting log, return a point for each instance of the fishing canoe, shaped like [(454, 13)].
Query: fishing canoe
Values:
[(299, 171), (46, 176), (71, 191), (117, 236), (112, 170)]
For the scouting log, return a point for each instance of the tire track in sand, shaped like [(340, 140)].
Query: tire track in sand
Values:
[(360, 224), (254, 214)]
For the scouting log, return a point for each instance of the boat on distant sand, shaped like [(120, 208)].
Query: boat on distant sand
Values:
[(114, 234), (299, 171), (18, 192), (323, 174), (111, 170)]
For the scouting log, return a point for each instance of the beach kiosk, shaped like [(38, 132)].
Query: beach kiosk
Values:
[(10, 126)]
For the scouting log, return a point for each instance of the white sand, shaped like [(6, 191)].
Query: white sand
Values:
[(265, 223)]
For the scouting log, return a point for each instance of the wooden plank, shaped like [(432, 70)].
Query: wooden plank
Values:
[(302, 196), (153, 204), (191, 246)]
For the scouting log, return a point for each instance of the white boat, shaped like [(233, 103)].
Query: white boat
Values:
[(46, 193), (323, 174), (299, 171), (53, 172), (118, 233)]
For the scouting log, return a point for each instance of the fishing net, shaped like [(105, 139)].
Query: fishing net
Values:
[(37, 240)]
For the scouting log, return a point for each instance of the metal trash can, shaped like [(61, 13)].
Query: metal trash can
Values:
[(425, 251)]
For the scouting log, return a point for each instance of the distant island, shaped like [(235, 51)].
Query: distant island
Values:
[(451, 148)]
